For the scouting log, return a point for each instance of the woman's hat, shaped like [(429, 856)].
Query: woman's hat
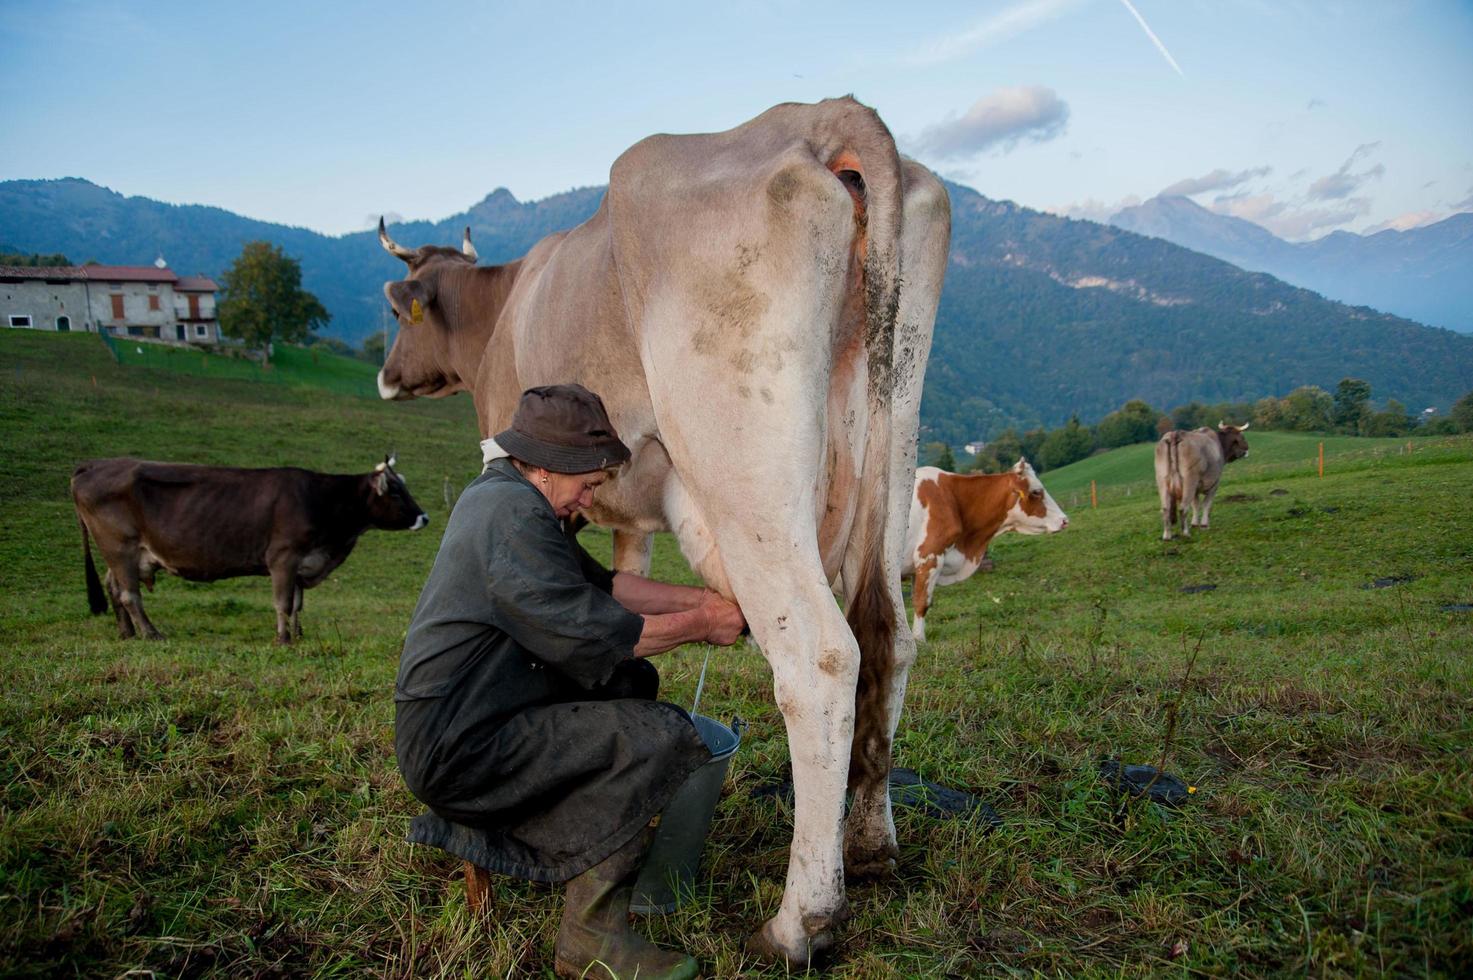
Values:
[(565, 429)]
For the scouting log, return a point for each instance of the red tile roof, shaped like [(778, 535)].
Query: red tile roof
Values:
[(41, 272), (196, 284), (128, 273)]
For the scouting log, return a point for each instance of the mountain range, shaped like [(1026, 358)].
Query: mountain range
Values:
[(1041, 317), (1424, 274)]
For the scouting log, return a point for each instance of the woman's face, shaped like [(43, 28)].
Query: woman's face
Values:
[(569, 492)]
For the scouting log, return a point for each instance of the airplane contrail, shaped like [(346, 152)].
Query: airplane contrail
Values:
[(1152, 35)]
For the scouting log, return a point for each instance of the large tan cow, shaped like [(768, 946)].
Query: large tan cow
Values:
[(953, 518), (737, 302), (1188, 467)]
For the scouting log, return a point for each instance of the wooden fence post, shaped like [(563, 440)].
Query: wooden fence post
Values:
[(1093, 500), (1322, 461)]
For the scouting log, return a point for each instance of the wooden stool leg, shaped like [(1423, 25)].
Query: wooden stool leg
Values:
[(477, 888)]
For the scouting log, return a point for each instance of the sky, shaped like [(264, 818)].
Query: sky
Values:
[(1305, 117)]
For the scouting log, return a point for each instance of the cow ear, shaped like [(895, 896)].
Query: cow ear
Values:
[(409, 297), (1021, 466), (381, 483)]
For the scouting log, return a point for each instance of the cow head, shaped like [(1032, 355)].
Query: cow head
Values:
[(421, 362), (1234, 443), (390, 506), (1032, 510)]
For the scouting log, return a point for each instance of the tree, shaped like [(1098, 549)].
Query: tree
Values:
[(1192, 415), (1307, 409), (1064, 446), (263, 299), (938, 454), (1352, 398), (1394, 421), (373, 348), (1133, 422), (1462, 412)]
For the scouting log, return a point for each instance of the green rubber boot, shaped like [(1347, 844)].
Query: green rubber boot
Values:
[(595, 941)]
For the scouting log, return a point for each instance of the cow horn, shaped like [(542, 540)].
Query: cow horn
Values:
[(391, 459), (1244, 426), (393, 247), (466, 247)]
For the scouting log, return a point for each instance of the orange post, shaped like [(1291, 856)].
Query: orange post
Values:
[(1093, 500), (1322, 461)]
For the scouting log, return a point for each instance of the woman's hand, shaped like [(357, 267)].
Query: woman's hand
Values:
[(724, 619)]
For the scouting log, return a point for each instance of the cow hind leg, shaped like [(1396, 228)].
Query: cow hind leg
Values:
[(1207, 506), (297, 611), (921, 591), (284, 592), (125, 622), (127, 582)]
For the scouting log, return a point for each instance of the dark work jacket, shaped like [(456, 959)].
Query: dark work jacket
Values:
[(506, 724)]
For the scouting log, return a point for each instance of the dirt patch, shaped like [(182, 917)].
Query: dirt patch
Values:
[(1457, 607), (1194, 589), (1238, 498), (1278, 492)]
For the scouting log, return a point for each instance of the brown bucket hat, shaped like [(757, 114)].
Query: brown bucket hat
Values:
[(565, 429)]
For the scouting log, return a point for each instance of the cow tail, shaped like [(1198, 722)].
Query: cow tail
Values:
[(96, 597), (870, 610), (1173, 476)]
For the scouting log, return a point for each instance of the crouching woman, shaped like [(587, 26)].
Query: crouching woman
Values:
[(526, 718)]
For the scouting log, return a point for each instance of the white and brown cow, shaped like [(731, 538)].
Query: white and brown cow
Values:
[(954, 517), (1189, 467), (737, 302)]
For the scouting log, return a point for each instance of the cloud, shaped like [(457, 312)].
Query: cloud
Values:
[(1092, 210), (1466, 204), (1316, 104), (1407, 221), (1342, 183), (1152, 35), (998, 121), (1288, 220), (1217, 180), (1004, 24)]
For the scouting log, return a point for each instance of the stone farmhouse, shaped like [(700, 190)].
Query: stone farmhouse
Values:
[(123, 300)]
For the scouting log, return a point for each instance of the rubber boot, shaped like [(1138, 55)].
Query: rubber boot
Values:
[(595, 940)]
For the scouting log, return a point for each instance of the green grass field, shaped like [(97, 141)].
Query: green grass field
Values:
[(213, 805), (294, 366)]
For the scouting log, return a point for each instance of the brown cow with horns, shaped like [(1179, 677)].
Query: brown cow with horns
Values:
[(204, 523)]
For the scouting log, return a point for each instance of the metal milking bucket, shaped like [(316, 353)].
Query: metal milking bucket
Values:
[(670, 868)]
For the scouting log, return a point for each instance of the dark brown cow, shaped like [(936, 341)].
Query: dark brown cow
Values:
[(210, 522), (1189, 466)]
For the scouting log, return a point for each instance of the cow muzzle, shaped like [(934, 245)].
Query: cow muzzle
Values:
[(421, 521)]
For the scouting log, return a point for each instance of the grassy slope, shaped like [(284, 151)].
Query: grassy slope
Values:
[(289, 365), (214, 805), (1269, 453)]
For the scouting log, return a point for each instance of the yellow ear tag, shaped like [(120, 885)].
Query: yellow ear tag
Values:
[(416, 312)]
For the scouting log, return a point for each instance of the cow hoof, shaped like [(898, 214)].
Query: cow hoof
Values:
[(804, 956), (283, 641)]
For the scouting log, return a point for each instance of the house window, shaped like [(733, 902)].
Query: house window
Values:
[(115, 286), (63, 324), (153, 287), (20, 320), (200, 330), (135, 331), (117, 306), (153, 303)]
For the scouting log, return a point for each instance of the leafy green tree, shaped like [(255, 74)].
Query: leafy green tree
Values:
[(1064, 446), (937, 454), (1133, 422), (1352, 404), (1032, 442), (1307, 409), (373, 348), (1268, 413), (1394, 421), (1462, 413), (31, 260), (263, 299), (1192, 415)]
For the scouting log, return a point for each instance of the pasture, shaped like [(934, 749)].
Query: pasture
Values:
[(213, 805)]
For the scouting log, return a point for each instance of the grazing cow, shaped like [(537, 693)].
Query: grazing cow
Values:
[(210, 522), (736, 300), (953, 518), (1188, 466)]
